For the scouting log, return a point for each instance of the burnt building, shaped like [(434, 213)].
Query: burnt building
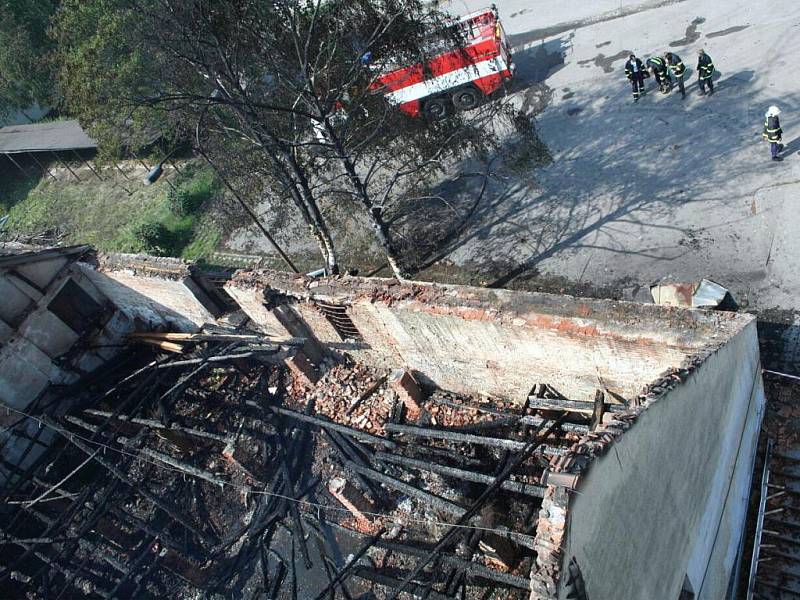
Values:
[(170, 432)]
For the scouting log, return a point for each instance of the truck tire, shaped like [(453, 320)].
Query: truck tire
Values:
[(466, 98), (435, 109)]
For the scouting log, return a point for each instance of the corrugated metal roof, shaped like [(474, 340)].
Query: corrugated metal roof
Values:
[(44, 137)]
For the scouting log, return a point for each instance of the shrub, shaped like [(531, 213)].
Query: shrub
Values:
[(189, 197), (155, 238)]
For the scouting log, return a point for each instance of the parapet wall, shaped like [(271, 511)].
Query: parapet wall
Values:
[(477, 340)]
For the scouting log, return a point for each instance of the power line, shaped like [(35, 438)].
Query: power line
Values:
[(781, 374)]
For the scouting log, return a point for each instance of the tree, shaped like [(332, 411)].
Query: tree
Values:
[(282, 89), (26, 76)]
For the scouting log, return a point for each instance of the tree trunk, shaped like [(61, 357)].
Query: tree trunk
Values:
[(379, 226), (291, 175)]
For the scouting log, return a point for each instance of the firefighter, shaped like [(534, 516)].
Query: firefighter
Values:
[(773, 132), (635, 72), (677, 69), (658, 67), (705, 71)]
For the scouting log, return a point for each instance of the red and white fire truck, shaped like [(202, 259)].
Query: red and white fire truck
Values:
[(455, 77)]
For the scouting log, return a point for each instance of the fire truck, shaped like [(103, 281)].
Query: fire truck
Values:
[(455, 78)]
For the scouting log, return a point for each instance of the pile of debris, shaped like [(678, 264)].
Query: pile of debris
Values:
[(210, 471)]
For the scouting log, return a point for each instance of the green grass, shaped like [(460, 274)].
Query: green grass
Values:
[(154, 219), (14, 190)]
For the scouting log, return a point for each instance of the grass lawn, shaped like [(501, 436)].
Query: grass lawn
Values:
[(155, 219)]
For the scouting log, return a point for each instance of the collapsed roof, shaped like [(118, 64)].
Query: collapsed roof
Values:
[(360, 436)]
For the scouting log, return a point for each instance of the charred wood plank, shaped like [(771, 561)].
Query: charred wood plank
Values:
[(536, 491), (454, 436), (577, 406), (164, 505), (415, 589), (488, 493), (320, 422), (432, 500)]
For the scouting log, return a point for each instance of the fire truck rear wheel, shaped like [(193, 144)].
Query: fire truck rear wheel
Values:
[(435, 109), (466, 98)]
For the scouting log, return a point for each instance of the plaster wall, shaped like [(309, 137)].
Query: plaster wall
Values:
[(506, 359), (152, 300), (494, 342), (668, 499), (251, 301)]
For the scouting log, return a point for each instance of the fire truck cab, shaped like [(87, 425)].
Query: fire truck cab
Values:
[(454, 77)]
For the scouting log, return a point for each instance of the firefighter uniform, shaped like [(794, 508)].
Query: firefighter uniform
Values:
[(658, 66), (635, 72), (677, 69), (705, 71), (773, 132)]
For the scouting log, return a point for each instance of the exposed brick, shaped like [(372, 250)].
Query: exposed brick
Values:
[(353, 501), (303, 369), (408, 390)]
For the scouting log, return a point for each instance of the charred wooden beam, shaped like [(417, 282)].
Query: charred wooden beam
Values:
[(158, 533), (320, 422), (599, 409), (269, 356), (460, 458), (346, 454), (455, 530), (479, 406), (535, 421), (164, 505), (178, 465), (557, 404), (473, 569), (293, 511), (454, 436), (420, 550), (415, 589), (432, 500), (536, 491), (351, 564), (366, 394), (154, 424)]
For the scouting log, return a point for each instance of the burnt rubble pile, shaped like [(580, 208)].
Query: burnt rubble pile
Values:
[(209, 470)]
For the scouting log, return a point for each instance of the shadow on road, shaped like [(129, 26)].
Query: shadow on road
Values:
[(616, 165)]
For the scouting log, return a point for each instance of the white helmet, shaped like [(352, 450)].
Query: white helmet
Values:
[(773, 111)]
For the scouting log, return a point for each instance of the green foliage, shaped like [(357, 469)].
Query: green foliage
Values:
[(26, 75), (154, 237), (189, 197), (102, 215), (106, 72)]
